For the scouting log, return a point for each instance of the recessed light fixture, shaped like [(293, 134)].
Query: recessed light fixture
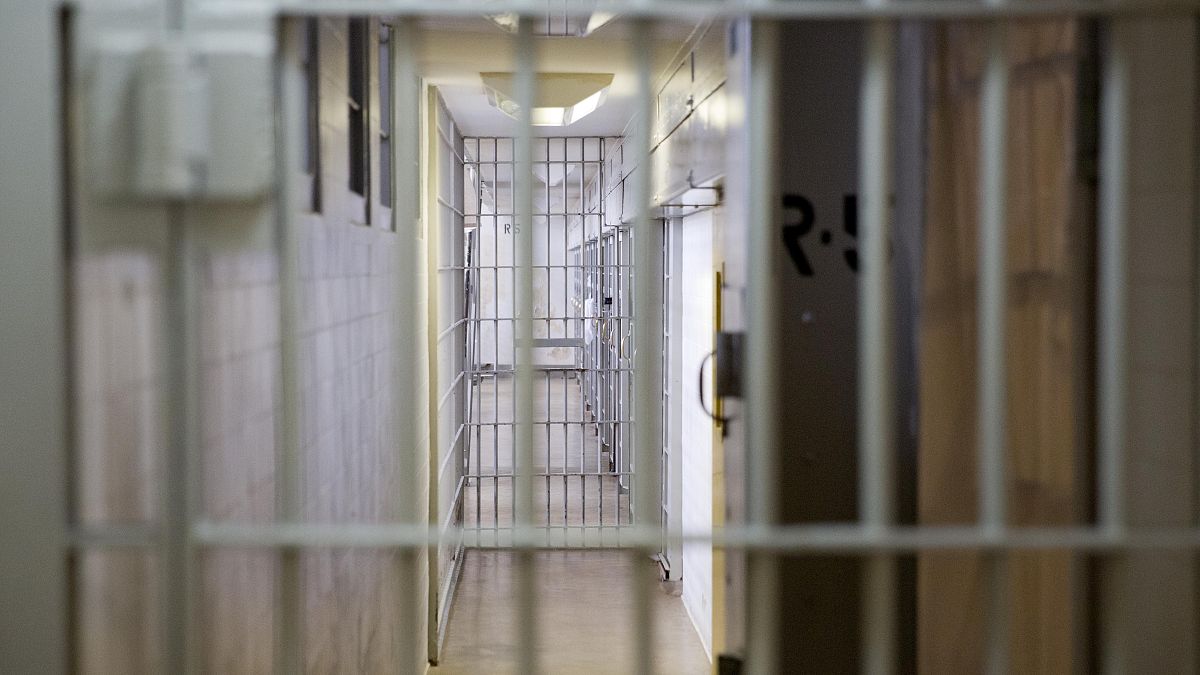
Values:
[(557, 24), (562, 98)]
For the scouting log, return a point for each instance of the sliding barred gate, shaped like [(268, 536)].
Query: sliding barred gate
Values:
[(551, 284), (581, 313)]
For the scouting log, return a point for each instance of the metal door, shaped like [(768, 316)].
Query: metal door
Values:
[(582, 311)]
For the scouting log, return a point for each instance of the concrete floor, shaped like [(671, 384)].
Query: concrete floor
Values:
[(585, 616)]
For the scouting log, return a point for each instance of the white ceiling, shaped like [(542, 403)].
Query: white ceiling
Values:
[(455, 51)]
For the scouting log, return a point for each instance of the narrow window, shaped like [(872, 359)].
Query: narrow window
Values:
[(310, 60), (385, 115), (358, 72)]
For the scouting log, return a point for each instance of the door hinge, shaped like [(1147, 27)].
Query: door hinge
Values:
[(180, 115)]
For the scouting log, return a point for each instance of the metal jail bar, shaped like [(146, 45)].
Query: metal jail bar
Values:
[(876, 451), (876, 538), (526, 85), (992, 410)]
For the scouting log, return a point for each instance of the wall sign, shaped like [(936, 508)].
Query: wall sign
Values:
[(799, 220)]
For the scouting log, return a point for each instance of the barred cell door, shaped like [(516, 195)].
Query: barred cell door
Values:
[(582, 315)]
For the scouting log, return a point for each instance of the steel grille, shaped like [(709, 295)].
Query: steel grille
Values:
[(609, 399)]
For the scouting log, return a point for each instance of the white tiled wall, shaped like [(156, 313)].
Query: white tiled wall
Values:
[(117, 315), (348, 448)]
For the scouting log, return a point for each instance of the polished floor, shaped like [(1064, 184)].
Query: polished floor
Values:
[(584, 617)]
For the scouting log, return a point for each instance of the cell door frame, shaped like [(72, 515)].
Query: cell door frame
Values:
[(671, 494)]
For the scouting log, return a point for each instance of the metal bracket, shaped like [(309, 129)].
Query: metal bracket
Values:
[(683, 204), (729, 664), (728, 375), (181, 115)]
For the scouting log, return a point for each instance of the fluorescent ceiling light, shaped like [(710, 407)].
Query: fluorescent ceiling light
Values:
[(557, 24), (588, 105), (596, 20), (550, 117), (562, 98)]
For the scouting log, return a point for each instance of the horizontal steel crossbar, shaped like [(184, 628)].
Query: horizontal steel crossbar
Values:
[(800, 9), (815, 539)]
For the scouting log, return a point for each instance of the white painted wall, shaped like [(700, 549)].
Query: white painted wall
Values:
[(694, 340)]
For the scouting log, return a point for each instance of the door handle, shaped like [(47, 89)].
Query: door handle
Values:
[(703, 405)]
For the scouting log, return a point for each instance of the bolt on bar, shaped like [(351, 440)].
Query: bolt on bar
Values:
[(992, 305), (762, 307), (526, 92), (648, 341), (875, 373), (406, 332), (1113, 347)]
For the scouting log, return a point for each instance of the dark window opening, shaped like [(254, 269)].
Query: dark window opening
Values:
[(385, 115), (358, 71), (310, 60)]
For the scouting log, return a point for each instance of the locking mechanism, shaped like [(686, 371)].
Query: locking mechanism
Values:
[(728, 375)]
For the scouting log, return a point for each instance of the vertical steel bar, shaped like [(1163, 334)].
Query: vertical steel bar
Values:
[(597, 294), (875, 377), (1114, 278), (992, 295), (763, 348), (496, 344), (548, 219), (477, 378), (408, 334), (1113, 314), (601, 359), (514, 348), (179, 468), (40, 453), (586, 396), (526, 84), (181, 480), (992, 300), (648, 340), (288, 650), (566, 332)]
